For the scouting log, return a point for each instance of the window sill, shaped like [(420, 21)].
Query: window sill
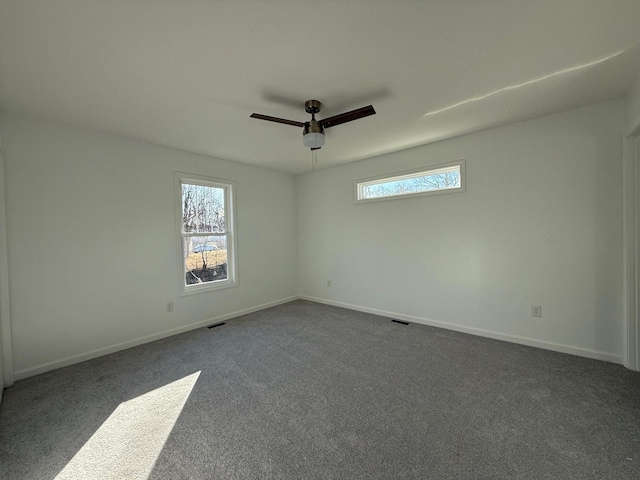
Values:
[(206, 287)]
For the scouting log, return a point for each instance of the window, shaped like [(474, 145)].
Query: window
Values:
[(436, 179), (206, 231)]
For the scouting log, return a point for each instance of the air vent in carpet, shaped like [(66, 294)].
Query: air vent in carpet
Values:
[(400, 322), (216, 325)]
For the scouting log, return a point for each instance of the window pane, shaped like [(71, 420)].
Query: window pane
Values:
[(205, 258), (202, 209), (425, 181)]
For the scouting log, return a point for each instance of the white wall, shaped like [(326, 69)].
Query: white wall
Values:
[(632, 207), (540, 223), (633, 108), (92, 242), (6, 361)]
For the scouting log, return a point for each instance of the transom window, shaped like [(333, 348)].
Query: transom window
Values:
[(423, 181), (206, 231)]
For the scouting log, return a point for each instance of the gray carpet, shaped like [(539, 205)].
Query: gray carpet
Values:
[(307, 391)]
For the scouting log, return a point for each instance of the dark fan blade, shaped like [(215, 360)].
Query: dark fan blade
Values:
[(277, 120), (347, 116)]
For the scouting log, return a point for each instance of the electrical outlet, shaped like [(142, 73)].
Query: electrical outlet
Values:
[(328, 283), (169, 306), (536, 311)]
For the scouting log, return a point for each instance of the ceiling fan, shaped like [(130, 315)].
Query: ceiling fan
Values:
[(313, 130)]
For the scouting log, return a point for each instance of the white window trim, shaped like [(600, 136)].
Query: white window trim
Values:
[(426, 170), (229, 187)]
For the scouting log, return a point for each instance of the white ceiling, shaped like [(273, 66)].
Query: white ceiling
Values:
[(188, 74)]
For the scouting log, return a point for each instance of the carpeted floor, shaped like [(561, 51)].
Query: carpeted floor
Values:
[(308, 391)]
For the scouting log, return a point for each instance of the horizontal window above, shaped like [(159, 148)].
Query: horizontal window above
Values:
[(441, 178)]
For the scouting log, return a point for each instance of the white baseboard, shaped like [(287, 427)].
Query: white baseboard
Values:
[(531, 342), (557, 347), (65, 362)]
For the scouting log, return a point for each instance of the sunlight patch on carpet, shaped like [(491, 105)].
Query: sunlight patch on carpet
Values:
[(129, 442)]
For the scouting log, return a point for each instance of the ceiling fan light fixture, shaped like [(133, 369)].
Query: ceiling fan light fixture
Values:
[(313, 140)]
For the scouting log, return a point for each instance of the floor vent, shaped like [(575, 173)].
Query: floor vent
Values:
[(216, 325), (400, 322)]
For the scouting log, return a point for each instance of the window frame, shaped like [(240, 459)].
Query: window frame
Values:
[(421, 171), (230, 220)]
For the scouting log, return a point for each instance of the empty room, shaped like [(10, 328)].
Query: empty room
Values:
[(319, 240)]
